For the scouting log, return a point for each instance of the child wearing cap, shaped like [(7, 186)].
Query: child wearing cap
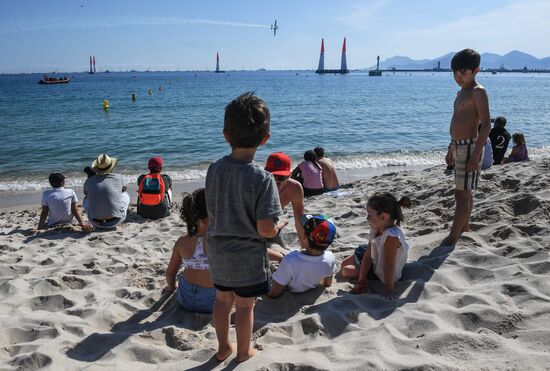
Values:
[(384, 257), (59, 205), (154, 191), (304, 270), (290, 192)]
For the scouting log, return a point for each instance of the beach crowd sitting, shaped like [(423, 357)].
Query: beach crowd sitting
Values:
[(234, 226)]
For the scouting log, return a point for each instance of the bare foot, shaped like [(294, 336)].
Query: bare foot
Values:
[(243, 357), (224, 352)]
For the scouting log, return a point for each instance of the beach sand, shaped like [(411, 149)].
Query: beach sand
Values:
[(70, 300)]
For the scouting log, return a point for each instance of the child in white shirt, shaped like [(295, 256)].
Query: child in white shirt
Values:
[(303, 270), (386, 253), (59, 205)]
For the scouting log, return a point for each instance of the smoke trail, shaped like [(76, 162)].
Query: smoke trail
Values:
[(50, 24)]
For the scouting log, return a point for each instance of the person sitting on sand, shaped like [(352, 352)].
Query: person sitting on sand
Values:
[(195, 291), (154, 192), (385, 255), (330, 179), (487, 155), (290, 192), (519, 151), (500, 137), (59, 205), (303, 270), (310, 174), (107, 201)]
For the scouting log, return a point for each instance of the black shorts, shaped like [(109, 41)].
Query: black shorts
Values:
[(248, 291)]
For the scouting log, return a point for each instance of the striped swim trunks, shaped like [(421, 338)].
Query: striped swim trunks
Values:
[(462, 151)]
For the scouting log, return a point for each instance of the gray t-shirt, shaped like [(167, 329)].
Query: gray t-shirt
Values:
[(238, 194), (104, 196)]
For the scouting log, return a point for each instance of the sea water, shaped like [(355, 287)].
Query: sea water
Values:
[(364, 123)]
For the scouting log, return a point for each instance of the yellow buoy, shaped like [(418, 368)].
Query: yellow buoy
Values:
[(105, 104), (150, 91)]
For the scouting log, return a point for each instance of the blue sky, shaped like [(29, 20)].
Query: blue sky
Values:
[(47, 35)]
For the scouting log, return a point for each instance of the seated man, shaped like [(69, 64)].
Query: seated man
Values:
[(106, 200), (330, 179), (59, 205), (304, 270), (154, 192), (500, 138), (290, 192)]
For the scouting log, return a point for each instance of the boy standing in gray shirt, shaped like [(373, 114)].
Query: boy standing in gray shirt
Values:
[(243, 207)]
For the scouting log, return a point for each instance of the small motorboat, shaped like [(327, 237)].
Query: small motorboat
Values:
[(54, 80)]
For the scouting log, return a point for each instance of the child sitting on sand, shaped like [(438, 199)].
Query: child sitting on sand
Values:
[(59, 205), (306, 269), (386, 253), (195, 291), (519, 151), (310, 174)]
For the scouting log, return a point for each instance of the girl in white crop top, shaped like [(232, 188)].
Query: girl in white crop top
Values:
[(195, 291), (386, 253)]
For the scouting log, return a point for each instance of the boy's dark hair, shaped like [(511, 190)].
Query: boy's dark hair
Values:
[(310, 156), (384, 202), (467, 59), (518, 138), (56, 180), (193, 208), (500, 122), (320, 152), (246, 121), (88, 170)]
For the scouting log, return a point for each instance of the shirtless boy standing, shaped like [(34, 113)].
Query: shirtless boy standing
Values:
[(471, 112)]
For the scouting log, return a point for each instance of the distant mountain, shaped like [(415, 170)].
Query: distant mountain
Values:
[(513, 60)]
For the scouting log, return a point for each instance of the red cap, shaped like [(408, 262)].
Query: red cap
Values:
[(278, 164), (155, 163)]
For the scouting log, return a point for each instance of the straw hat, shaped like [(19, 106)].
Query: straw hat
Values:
[(104, 164)]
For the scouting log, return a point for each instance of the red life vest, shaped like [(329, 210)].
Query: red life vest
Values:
[(151, 190)]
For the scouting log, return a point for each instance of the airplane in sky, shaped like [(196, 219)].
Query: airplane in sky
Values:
[(274, 27)]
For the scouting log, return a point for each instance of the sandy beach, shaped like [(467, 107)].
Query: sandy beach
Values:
[(71, 300)]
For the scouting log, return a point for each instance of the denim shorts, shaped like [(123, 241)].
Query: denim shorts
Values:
[(195, 298), (359, 253), (248, 291)]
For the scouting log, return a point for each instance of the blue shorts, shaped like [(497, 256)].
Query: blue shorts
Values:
[(248, 291), (359, 253), (195, 298)]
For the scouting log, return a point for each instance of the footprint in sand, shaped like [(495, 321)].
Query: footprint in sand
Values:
[(539, 267), (74, 282), (51, 303), (21, 335), (32, 361), (311, 327), (79, 312), (524, 204)]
